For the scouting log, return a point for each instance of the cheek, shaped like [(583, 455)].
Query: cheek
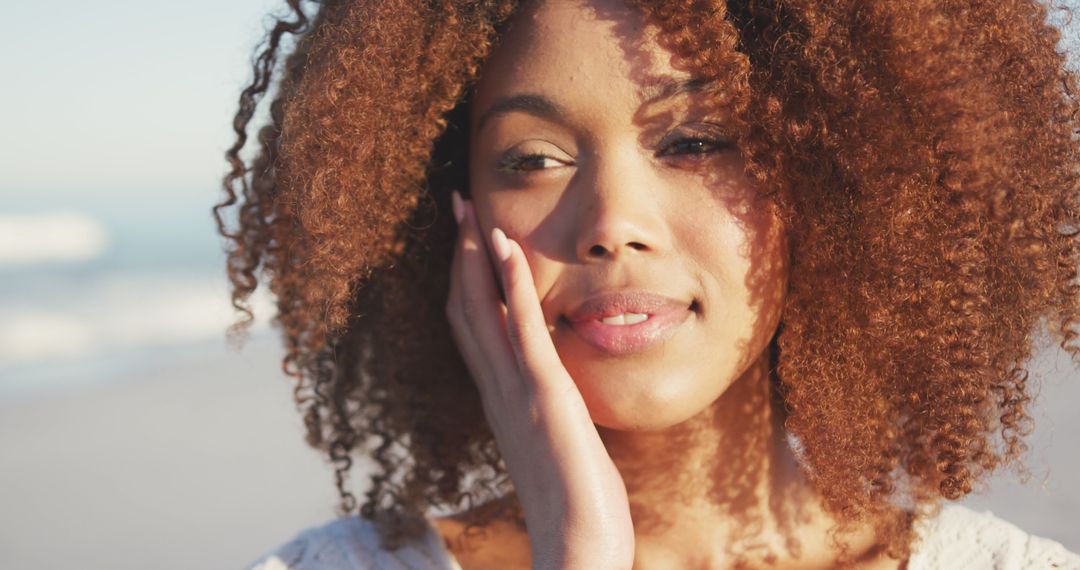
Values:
[(526, 219), (740, 313), (748, 266), (743, 241), (518, 213), (519, 216), (529, 220)]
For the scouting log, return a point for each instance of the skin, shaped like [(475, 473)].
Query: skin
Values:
[(655, 459)]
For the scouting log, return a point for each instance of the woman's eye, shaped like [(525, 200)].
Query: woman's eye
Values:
[(528, 162), (696, 145)]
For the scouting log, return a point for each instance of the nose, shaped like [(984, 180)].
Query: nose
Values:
[(619, 214)]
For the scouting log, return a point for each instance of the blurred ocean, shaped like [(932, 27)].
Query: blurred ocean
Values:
[(94, 286)]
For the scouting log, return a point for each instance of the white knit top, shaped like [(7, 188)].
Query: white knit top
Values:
[(957, 538)]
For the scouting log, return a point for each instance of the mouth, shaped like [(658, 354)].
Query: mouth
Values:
[(628, 322)]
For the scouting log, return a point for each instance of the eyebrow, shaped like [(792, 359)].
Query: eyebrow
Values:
[(666, 88), (545, 108), (530, 103)]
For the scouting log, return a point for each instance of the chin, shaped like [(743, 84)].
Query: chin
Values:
[(634, 397)]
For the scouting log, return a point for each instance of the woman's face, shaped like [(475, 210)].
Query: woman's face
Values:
[(627, 195)]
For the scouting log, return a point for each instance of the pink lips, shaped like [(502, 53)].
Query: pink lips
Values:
[(665, 315)]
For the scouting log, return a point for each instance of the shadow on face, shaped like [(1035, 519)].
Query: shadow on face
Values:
[(616, 171)]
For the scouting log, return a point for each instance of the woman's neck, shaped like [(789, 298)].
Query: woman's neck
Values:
[(723, 488)]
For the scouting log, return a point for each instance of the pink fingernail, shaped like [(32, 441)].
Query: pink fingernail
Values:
[(502, 247), (459, 207)]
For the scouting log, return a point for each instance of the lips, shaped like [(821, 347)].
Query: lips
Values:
[(665, 315)]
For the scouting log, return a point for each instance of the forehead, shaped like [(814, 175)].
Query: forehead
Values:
[(599, 50)]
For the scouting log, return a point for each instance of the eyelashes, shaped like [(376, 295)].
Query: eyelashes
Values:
[(697, 145), (688, 147), (527, 162)]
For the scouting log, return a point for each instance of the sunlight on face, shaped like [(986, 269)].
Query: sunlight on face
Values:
[(627, 193)]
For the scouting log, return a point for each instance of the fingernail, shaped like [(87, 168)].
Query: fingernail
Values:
[(502, 247), (459, 208)]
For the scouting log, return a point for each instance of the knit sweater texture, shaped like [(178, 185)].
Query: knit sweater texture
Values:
[(957, 538)]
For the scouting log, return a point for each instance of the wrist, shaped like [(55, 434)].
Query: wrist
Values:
[(570, 550)]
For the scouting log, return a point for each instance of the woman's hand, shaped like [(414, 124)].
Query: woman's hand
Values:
[(573, 497)]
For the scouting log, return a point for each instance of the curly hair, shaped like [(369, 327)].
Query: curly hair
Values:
[(923, 155)]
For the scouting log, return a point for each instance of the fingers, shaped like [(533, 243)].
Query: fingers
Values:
[(474, 306), (525, 324), (509, 345)]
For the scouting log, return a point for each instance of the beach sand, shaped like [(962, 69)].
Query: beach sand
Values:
[(200, 463), (196, 464)]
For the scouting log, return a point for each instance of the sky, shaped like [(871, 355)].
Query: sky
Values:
[(114, 119), (120, 96)]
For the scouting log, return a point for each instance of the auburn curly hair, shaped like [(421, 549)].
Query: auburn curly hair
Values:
[(924, 155)]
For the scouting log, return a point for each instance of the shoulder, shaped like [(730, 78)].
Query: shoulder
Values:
[(352, 543), (962, 538)]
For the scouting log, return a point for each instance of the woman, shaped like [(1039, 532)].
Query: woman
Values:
[(727, 285)]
